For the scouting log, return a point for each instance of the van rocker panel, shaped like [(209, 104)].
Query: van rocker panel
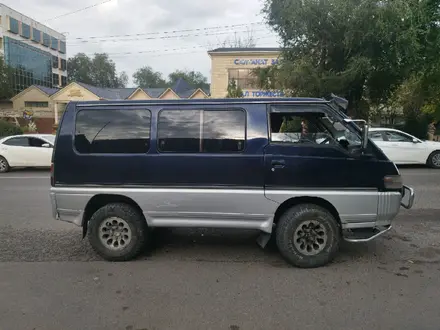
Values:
[(229, 208)]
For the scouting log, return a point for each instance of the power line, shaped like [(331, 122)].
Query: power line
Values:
[(213, 30), (163, 37), (171, 49), (170, 32), (78, 10)]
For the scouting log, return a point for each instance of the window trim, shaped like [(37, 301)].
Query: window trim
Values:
[(201, 131), (111, 154)]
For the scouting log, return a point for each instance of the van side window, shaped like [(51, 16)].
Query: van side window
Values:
[(198, 131), (112, 131), (310, 128)]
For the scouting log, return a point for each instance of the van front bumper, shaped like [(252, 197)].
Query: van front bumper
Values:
[(407, 193)]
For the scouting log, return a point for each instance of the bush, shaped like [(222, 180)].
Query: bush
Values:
[(7, 129)]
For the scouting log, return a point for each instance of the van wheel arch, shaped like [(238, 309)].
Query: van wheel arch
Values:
[(289, 203), (100, 200)]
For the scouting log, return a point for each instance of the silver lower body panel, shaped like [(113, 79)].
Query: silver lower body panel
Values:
[(229, 208)]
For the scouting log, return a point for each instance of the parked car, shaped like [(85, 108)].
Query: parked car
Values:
[(123, 168), (403, 148), (28, 150)]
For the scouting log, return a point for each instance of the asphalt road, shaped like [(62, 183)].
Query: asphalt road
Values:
[(208, 279)]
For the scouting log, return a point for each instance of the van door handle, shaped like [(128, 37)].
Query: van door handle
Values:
[(280, 163)]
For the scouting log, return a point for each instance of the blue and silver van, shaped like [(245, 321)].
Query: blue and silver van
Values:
[(295, 168)]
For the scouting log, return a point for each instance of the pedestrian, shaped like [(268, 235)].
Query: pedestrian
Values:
[(431, 131)]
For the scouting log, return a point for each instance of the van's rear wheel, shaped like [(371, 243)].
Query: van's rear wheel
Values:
[(118, 232), (308, 236)]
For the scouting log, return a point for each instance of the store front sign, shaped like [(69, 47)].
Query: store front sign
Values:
[(256, 61), (263, 94)]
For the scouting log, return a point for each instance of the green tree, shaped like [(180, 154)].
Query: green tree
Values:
[(146, 77), (361, 50), (6, 90), (98, 71), (7, 129), (194, 78), (234, 91)]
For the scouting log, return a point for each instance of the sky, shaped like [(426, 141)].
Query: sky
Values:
[(155, 29)]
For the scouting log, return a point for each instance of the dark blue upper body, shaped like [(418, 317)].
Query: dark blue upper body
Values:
[(303, 166)]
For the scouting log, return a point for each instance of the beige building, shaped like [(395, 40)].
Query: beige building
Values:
[(237, 64), (44, 106)]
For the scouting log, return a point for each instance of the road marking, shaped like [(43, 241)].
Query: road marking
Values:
[(24, 177)]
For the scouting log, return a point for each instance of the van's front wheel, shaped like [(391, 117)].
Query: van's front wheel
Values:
[(117, 232), (308, 236)]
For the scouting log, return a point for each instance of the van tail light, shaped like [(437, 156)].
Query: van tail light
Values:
[(52, 181), (393, 182)]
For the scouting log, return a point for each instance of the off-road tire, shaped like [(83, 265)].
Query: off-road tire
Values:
[(136, 222), (290, 222)]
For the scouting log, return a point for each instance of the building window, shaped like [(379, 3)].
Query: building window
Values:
[(54, 62), (62, 47), (63, 81), (112, 131), (46, 39), (196, 131), (55, 79), (25, 31), (32, 104), (54, 43), (36, 35), (31, 66), (63, 64), (13, 25), (244, 78)]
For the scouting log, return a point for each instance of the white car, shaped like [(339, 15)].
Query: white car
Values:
[(27, 150), (403, 148)]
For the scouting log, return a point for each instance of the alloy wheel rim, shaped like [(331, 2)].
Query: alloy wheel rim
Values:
[(115, 233), (310, 238), (436, 160), (2, 165)]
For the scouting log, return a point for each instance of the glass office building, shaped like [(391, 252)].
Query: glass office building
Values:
[(31, 65)]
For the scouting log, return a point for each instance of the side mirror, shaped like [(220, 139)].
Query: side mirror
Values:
[(414, 140), (365, 136), (45, 145)]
